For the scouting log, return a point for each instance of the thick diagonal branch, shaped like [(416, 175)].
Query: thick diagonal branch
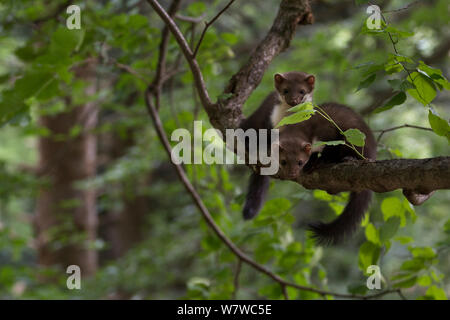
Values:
[(290, 14)]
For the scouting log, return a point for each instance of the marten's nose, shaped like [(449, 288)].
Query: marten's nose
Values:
[(292, 175), (296, 101)]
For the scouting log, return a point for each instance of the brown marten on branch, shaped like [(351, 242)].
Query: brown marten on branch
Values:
[(298, 155)]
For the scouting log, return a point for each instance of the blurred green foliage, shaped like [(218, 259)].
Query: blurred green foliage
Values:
[(180, 256)]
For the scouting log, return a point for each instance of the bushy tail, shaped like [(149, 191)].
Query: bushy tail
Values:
[(346, 223), (257, 189)]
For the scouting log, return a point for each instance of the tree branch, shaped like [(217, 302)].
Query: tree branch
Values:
[(290, 14), (190, 19), (187, 52), (382, 132), (237, 273), (208, 24), (161, 66), (419, 175)]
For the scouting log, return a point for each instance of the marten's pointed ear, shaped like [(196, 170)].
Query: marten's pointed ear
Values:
[(278, 77), (311, 80), (307, 147)]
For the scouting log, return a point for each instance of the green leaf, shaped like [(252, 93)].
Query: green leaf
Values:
[(372, 234), (424, 91), (328, 143), (67, 40), (137, 21), (393, 65), (356, 137), (440, 126), (13, 100), (198, 287), (322, 195), (265, 249), (395, 57), (368, 255), (302, 107), (371, 68), (196, 8), (407, 283), (393, 207), (272, 209), (231, 38), (447, 227), (423, 252), (435, 74), (295, 118), (413, 265), (424, 280), (400, 85), (366, 82), (389, 229), (396, 100), (437, 276), (436, 293), (410, 210), (357, 288), (399, 33), (404, 239)]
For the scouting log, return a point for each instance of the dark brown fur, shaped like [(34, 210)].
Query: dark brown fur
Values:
[(296, 156), (293, 138)]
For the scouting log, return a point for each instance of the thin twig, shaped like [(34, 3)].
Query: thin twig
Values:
[(402, 296), (161, 65), (383, 131), (208, 24), (129, 69), (187, 52), (327, 117), (194, 20), (285, 292), (236, 278), (404, 8)]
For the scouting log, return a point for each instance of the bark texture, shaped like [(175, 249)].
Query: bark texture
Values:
[(419, 175)]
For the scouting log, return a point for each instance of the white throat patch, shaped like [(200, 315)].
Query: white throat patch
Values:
[(280, 110)]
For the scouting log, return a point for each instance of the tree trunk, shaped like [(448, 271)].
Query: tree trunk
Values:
[(66, 218)]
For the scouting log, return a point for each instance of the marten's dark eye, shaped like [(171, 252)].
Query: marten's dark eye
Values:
[(300, 162), (302, 91), (286, 91), (283, 162)]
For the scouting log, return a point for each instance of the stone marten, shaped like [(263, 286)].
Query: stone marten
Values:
[(297, 153)]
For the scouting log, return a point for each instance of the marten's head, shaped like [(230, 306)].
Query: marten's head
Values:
[(294, 87), (293, 155)]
